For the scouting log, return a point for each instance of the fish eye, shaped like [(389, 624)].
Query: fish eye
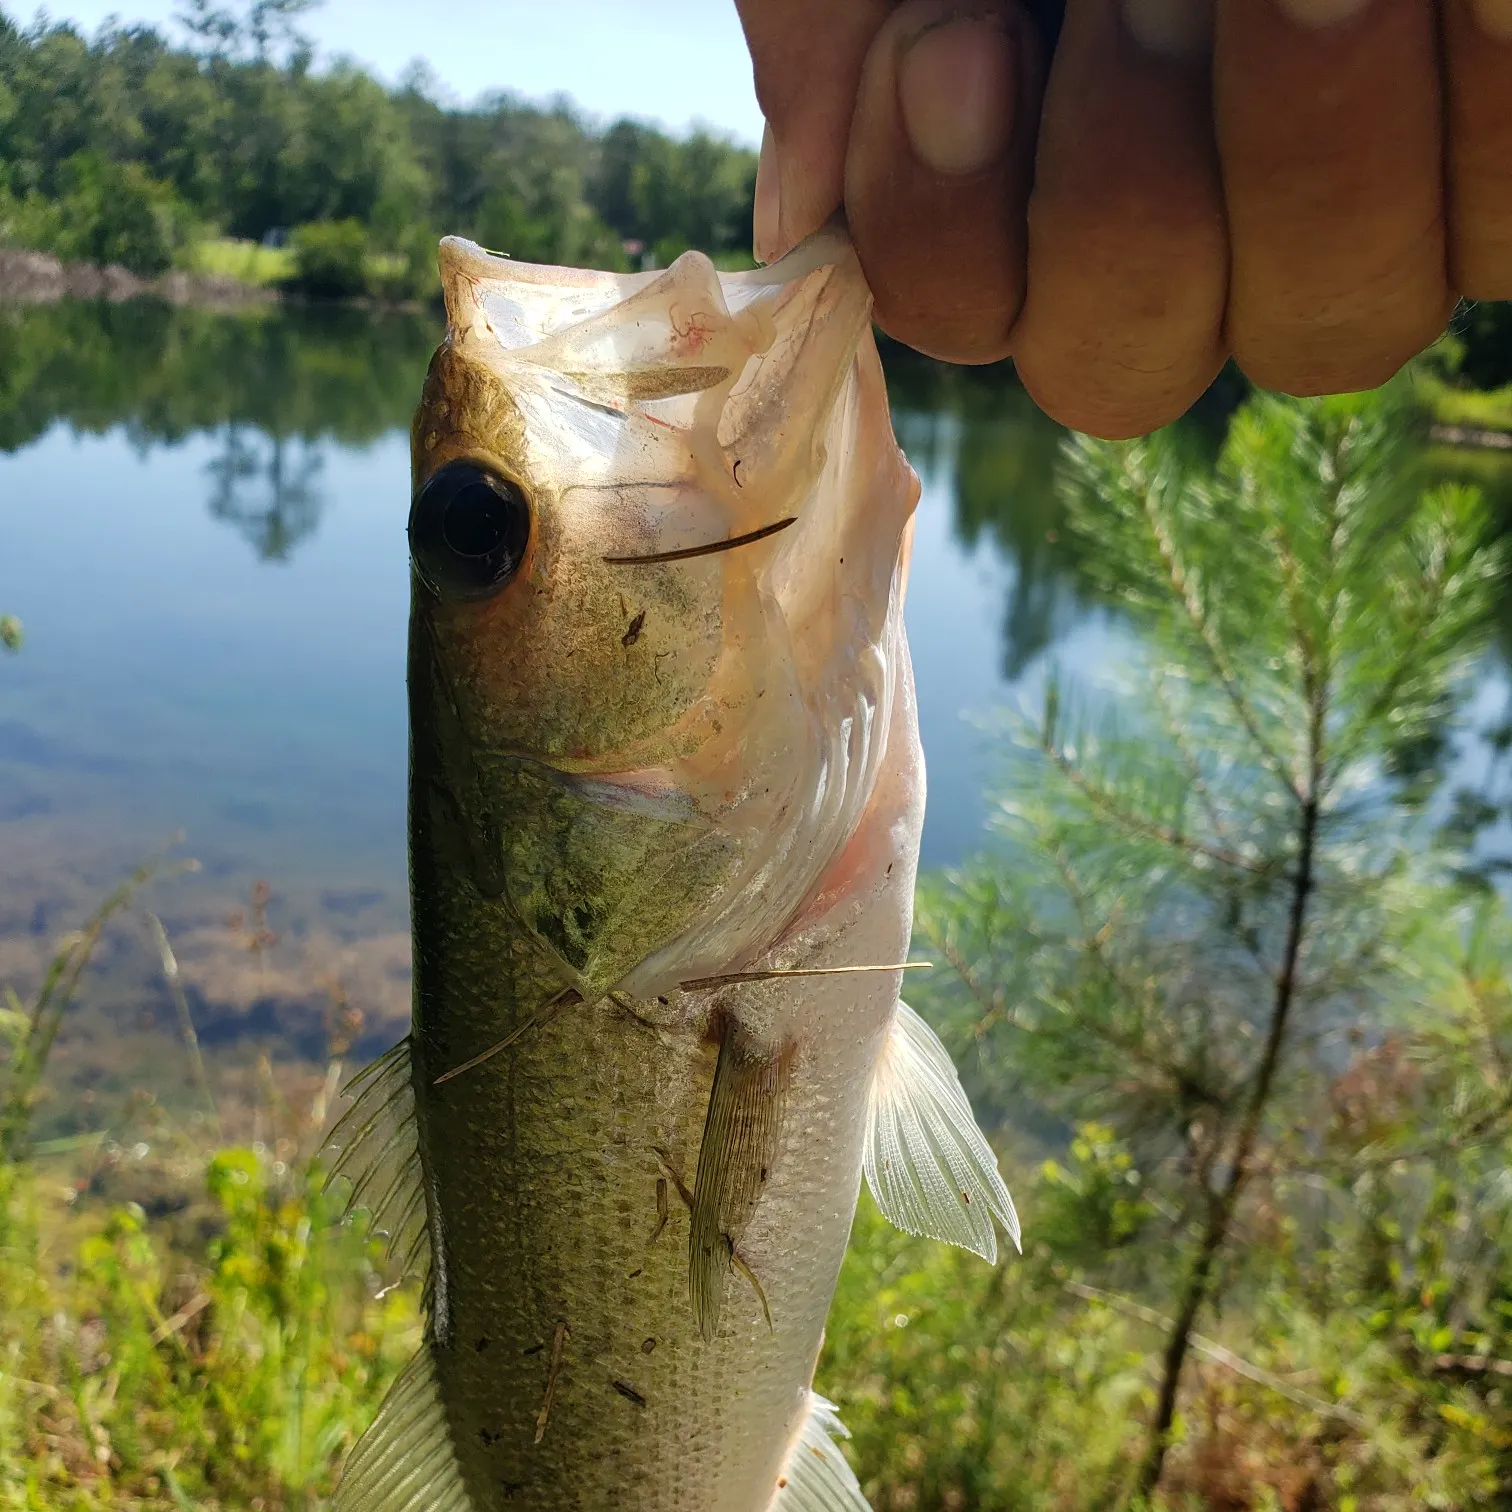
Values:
[(468, 530)]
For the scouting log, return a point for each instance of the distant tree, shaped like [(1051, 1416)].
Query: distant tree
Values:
[(673, 195), (105, 212), (255, 30), (270, 22), (214, 28), (541, 217), (251, 138), (615, 178)]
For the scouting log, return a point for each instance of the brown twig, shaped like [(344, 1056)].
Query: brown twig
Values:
[(1222, 1204), (189, 1311), (538, 1020), (544, 1415), (730, 978), (1220, 1355), (175, 982)]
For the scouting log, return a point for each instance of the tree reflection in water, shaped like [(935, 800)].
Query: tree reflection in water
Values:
[(997, 453), (264, 487), (278, 385)]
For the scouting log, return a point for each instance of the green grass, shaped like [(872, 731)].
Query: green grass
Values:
[(228, 1360), (247, 261), (182, 1323)]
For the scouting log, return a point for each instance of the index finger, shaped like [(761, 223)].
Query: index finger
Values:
[(807, 59)]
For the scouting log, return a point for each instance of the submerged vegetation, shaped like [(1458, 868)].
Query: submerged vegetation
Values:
[(231, 151), (1234, 987)]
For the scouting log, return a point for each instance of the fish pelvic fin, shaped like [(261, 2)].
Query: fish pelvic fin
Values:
[(734, 1161), (815, 1476), (376, 1148), (927, 1163), (405, 1462)]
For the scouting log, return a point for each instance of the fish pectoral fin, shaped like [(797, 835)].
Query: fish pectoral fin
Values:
[(405, 1462), (739, 1143), (376, 1147), (815, 1476), (929, 1167)]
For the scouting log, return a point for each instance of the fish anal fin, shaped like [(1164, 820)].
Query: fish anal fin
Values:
[(734, 1160), (816, 1477), (929, 1167), (375, 1146), (405, 1462)]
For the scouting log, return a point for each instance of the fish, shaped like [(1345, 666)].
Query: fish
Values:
[(666, 794)]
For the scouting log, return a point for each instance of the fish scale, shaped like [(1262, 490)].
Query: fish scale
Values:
[(665, 772)]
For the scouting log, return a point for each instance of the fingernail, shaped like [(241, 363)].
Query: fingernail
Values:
[(1318, 13), (955, 91), (1494, 18), (1172, 28), (766, 214)]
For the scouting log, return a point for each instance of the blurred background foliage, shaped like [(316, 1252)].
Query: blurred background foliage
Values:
[(221, 1350), (130, 147)]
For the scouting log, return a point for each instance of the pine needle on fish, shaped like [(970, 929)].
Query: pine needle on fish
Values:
[(543, 1016), (730, 978), (710, 548)]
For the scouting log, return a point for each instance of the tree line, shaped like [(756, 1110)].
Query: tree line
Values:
[(131, 147)]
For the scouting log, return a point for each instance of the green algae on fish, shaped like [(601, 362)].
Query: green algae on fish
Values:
[(665, 782)]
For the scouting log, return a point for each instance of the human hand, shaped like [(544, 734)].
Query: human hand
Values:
[(1307, 185)]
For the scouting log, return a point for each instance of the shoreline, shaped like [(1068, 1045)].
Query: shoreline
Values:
[(32, 278), (41, 278)]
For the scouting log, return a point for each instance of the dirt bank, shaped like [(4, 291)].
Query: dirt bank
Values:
[(40, 278)]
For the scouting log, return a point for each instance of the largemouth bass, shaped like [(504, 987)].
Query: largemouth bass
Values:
[(665, 801)]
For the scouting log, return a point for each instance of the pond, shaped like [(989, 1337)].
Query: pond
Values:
[(202, 520)]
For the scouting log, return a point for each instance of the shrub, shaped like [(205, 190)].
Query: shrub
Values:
[(331, 259), (108, 213), (229, 1363)]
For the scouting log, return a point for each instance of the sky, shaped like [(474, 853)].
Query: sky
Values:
[(676, 62)]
